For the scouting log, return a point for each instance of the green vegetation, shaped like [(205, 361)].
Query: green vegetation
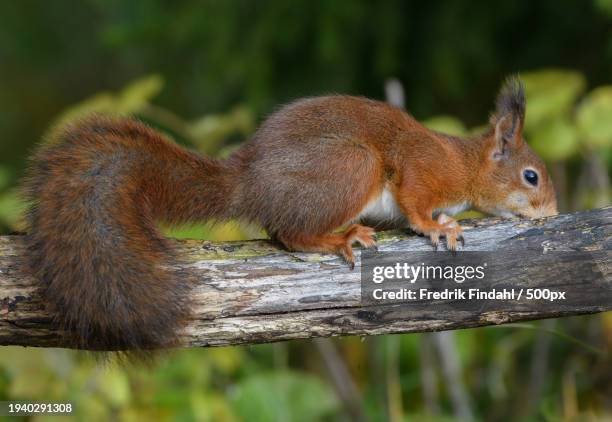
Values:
[(207, 72)]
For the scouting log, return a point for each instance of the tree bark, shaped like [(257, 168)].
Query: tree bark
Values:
[(253, 292)]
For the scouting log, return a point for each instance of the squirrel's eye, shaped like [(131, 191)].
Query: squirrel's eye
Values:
[(531, 177)]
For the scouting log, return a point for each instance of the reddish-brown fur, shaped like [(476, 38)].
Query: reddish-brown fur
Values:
[(310, 170)]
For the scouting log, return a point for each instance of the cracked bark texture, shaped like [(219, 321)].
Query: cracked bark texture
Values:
[(252, 292)]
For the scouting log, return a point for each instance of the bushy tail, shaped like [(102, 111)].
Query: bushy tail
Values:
[(96, 192)]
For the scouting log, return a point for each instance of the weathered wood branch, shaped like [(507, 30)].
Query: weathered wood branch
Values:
[(253, 292)]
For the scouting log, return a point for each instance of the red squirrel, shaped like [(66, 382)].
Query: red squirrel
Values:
[(316, 166)]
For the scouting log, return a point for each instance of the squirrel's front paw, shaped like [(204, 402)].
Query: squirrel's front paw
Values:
[(450, 229)]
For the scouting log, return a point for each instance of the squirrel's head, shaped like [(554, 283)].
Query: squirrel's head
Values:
[(513, 180)]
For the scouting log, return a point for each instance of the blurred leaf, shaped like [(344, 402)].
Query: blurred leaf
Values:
[(594, 117), (550, 410), (113, 384), (284, 396), (469, 214), (190, 231), (220, 231), (605, 6), (209, 131), (211, 407), (550, 93), (446, 124), (226, 359), (92, 408), (225, 152), (478, 130), (139, 93), (5, 177), (227, 231), (29, 379), (554, 139), (130, 100), (606, 324), (12, 209)]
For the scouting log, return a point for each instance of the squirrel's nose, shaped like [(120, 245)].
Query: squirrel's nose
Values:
[(548, 211)]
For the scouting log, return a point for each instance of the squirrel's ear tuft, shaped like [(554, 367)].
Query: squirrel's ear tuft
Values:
[(511, 99), (509, 115)]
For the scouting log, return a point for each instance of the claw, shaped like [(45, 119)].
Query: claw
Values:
[(350, 260), (347, 254), (451, 244), (435, 239)]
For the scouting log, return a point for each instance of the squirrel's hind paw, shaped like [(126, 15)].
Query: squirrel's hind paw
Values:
[(365, 236)]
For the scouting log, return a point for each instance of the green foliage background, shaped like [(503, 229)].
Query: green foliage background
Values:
[(207, 72)]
